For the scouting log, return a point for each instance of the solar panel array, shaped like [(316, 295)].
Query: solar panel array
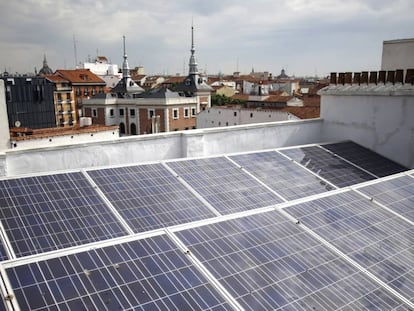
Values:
[(290, 180), (218, 233), (44, 213), (149, 196), (224, 185)]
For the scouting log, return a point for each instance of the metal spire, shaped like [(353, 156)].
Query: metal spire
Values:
[(125, 66), (193, 63)]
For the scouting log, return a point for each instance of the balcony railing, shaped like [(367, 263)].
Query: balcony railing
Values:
[(64, 89)]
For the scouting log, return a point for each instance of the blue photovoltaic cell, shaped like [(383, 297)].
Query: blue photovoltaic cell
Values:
[(269, 263), (397, 194), (149, 196), (290, 180), (335, 170), (51, 212), (150, 274), (224, 185), (365, 158), (378, 240)]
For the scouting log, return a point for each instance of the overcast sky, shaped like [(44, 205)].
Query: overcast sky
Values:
[(305, 37)]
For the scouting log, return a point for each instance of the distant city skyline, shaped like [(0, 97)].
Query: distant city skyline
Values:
[(305, 38)]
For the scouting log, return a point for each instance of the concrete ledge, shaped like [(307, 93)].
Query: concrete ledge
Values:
[(157, 147)]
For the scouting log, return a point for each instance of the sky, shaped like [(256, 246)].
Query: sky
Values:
[(304, 37)]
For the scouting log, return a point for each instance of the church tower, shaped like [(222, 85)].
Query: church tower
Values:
[(194, 84), (126, 87)]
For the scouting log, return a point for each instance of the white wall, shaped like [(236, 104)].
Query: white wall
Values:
[(221, 117), (156, 147), (381, 122), (398, 54), (4, 120), (251, 137)]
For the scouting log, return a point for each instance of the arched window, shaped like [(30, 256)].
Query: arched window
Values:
[(121, 128), (133, 129)]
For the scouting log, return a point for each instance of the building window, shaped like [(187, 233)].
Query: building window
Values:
[(175, 113), (151, 113), (193, 111), (59, 97), (132, 112), (85, 91), (235, 113), (251, 115), (101, 90), (186, 113), (111, 112), (78, 91), (94, 113), (93, 92), (121, 112)]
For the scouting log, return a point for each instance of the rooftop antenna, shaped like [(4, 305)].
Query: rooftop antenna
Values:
[(74, 50)]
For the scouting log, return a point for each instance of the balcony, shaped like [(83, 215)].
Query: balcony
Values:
[(64, 89)]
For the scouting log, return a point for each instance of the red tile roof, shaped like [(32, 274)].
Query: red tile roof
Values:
[(56, 79), (80, 76)]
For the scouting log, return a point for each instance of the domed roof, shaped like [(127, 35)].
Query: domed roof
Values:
[(45, 69)]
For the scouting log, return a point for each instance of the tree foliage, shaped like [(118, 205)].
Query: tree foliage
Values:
[(222, 100)]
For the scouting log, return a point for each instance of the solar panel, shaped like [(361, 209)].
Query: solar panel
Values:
[(375, 238), (328, 166), (149, 196), (365, 158), (282, 175), (397, 194), (269, 263), (149, 274), (51, 212), (224, 185)]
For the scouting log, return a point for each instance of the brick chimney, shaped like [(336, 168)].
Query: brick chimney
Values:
[(409, 76), (381, 76), (399, 76), (357, 78), (391, 76), (348, 77), (341, 78), (364, 77), (333, 78), (373, 77)]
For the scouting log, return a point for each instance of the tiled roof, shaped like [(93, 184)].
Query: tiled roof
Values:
[(80, 76), (56, 79), (278, 98), (138, 77), (176, 79), (303, 112)]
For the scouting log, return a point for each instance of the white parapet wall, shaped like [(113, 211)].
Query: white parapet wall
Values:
[(157, 147), (379, 117)]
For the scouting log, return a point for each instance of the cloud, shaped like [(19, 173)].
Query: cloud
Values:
[(304, 36)]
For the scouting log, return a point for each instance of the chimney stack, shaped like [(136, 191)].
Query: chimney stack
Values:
[(373, 77), (399, 76), (381, 76), (364, 77)]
